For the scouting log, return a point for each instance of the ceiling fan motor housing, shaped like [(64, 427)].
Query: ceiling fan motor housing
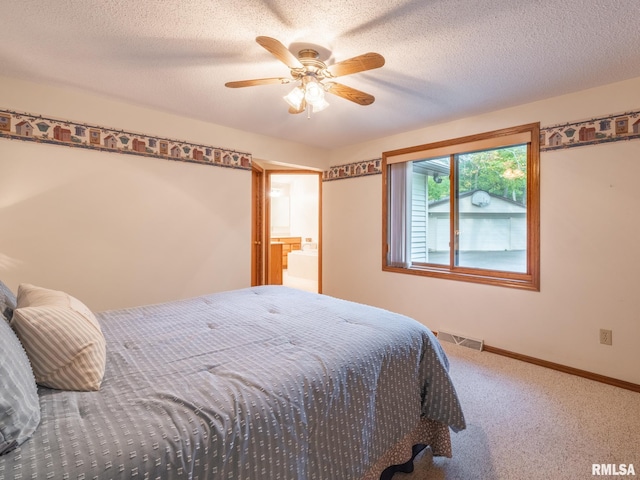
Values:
[(309, 58)]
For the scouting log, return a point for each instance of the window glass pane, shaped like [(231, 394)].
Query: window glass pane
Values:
[(430, 211), (491, 215)]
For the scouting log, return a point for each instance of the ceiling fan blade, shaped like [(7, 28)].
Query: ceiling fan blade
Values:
[(257, 81), (279, 51), (351, 94), (303, 107), (366, 61)]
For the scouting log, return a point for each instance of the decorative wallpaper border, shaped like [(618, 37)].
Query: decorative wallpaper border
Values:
[(36, 128), (610, 128), (352, 170)]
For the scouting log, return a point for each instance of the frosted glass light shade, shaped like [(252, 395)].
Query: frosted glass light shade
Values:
[(295, 97)]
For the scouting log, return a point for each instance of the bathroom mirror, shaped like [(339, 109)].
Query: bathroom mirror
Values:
[(280, 210)]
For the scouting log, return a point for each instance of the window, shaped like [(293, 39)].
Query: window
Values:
[(466, 209)]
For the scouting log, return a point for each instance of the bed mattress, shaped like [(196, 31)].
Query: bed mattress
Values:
[(261, 383)]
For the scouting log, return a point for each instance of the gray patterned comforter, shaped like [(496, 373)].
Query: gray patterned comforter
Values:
[(260, 383)]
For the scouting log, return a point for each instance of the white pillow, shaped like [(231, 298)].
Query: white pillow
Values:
[(62, 338)]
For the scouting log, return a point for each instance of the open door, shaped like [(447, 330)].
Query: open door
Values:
[(258, 233)]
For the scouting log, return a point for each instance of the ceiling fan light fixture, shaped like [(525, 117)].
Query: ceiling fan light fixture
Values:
[(320, 105), (313, 91), (295, 97)]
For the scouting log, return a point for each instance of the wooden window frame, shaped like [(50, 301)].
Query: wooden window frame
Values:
[(530, 280)]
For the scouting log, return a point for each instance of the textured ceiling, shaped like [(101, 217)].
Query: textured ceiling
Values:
[(445, 59)]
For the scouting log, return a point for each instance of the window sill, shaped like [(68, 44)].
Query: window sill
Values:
[(501, 279)]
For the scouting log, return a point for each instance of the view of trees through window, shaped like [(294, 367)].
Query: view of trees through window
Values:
[(501, 172)]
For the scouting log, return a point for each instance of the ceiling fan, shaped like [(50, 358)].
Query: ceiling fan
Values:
[(314, 77)]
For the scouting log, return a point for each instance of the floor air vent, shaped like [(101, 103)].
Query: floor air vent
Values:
[(460, 340)]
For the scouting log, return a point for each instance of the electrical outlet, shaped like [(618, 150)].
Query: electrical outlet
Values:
[(606, 337)]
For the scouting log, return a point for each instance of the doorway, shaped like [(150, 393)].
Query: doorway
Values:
[(292, 234)]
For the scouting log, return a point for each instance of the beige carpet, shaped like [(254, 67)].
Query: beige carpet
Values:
[(530, 422)]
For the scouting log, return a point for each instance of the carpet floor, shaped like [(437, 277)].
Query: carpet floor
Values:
[(531, 422)]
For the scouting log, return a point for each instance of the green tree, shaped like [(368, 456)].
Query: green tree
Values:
[(439, 190), (501, 172)]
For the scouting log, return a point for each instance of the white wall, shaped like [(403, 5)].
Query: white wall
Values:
[(589, 235), (117, 230), (120, 230), (304, 207)]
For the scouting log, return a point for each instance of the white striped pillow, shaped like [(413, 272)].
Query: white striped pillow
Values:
[(62, 338)]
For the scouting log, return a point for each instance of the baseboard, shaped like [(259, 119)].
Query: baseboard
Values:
[(634, 387), (563, 368)]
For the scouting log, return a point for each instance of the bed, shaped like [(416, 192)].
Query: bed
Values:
[(260, 383)]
